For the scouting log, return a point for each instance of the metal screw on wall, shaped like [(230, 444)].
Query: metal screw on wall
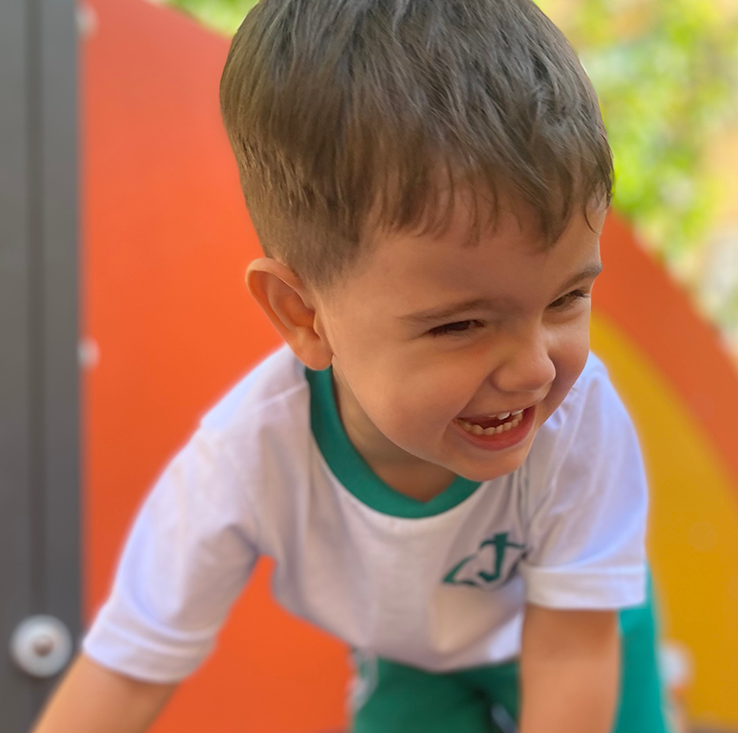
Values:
[(41, 646)]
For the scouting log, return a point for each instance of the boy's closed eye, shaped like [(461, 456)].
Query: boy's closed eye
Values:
[(569, 299), (457, 328), (467, 327)]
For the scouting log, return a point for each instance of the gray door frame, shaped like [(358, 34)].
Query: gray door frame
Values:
[(39, 374)]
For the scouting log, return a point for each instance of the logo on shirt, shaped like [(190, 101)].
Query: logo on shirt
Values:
[(490, 566)]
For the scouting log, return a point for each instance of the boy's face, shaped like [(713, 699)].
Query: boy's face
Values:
[(411, 384)]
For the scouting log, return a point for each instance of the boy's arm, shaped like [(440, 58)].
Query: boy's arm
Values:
[(569, 670), (92, 699)]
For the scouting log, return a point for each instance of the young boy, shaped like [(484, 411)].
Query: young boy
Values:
[(441, 471)]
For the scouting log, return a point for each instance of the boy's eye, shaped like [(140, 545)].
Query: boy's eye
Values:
[(568, 299), (460, 327)]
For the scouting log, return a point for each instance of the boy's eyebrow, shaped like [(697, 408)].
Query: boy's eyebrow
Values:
[(450, 311), (591, 271)]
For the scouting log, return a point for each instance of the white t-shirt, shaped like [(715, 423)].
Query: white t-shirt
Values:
[(438, 585)]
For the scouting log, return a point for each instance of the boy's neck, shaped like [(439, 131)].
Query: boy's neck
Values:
[(406, 474), (422, 482)]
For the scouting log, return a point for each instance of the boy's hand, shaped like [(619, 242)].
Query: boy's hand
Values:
[(569, 671)]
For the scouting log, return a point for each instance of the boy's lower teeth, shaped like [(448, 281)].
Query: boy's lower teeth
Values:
[(479, 430)]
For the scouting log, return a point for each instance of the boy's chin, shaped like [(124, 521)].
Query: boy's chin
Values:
[(493, 468)]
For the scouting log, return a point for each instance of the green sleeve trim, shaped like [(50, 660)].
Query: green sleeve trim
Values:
[(354, 472)]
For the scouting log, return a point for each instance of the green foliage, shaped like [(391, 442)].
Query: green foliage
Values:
[(222, 16), (666, 72)]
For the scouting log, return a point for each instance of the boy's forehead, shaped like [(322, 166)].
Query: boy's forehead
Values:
[(413, 269), (420, 267)]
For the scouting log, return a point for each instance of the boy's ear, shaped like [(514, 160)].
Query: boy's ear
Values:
[(284, 298)]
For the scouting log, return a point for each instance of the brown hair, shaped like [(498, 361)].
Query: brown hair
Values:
[(342, 109)]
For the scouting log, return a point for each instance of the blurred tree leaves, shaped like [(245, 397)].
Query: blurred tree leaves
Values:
[(222, 16), (666, 72)]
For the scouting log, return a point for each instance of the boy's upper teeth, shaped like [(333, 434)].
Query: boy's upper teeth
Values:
[(505, 415), (500, 416)]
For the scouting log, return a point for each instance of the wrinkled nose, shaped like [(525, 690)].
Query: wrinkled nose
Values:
[(526, 365)]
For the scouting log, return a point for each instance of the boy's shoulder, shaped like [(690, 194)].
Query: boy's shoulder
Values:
[(268, 393), (591, 420), (594, 372), (592, 394)]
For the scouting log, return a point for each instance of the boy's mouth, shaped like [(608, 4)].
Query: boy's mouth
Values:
[(496, 432), (492, 424)]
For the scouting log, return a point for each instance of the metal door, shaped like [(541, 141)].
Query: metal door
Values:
[(39, 435)]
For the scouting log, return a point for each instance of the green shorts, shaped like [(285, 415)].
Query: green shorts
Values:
[(486, 699)]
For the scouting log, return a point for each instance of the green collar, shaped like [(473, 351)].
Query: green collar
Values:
[(353, 471)]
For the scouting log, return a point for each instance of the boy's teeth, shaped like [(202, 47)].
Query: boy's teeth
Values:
[(503, 416), (479, 430)]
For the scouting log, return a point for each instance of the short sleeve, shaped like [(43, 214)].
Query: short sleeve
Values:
[(188, 555), (586, 507)]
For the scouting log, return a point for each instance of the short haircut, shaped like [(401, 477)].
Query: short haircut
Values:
[(345, 111)]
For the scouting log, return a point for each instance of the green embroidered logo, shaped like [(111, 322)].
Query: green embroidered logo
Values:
[(487, 564)]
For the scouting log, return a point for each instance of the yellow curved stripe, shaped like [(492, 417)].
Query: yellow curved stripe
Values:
[(693, 537)]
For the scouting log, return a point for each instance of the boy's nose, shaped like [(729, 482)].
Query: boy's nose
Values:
[(525, 366)]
